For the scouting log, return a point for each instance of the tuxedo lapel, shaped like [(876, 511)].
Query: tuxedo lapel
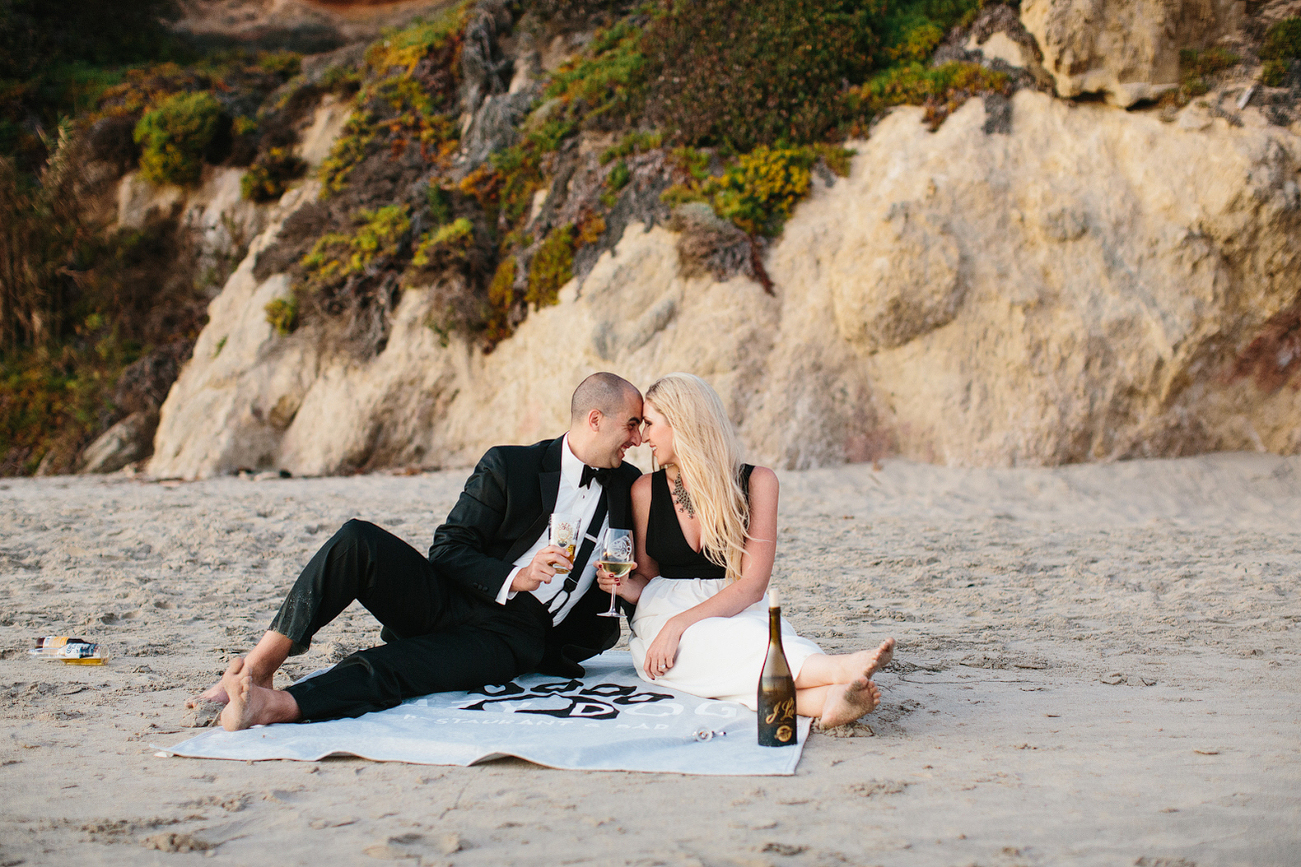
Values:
[(548, 481)]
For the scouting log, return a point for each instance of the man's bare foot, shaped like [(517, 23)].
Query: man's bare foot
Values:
[(252, 705), (212, 695), (847, 702), (216, 694)]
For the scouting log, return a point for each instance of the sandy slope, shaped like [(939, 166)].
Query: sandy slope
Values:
[(1098, 665)]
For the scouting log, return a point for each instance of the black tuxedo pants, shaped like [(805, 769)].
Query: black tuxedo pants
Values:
[(443, 638)]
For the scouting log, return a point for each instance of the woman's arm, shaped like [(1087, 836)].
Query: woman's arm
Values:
[(632, 584), (756, 569)]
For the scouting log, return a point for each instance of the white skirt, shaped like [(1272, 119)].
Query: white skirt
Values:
[(718, 657)]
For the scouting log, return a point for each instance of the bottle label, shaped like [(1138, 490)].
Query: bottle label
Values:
[(783, 710)]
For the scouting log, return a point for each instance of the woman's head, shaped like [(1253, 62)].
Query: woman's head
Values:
[(687, 427), (686, 423)]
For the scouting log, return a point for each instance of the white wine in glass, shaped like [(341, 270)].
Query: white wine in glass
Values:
[(616, 558)]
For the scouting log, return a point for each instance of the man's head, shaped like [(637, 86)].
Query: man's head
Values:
[(604, 419)]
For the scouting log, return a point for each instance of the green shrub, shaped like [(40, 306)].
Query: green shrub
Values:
[(348, 151), (285, 64), (282, 315), (403, 49), (758, 191), (379, 235), (633, 142), (270, 174), (1282, 45), (442, 245), (501, 302), (1196, 68), (911, 30), (940, 89), (604, 87), (174, 135), (439, 203), (1283, 40), (615, 181), (741, 73), (552, 267)]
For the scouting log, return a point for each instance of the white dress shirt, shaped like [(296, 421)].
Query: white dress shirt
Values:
[(570, 500)]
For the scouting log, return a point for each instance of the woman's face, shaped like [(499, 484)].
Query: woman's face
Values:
[(657, 434)]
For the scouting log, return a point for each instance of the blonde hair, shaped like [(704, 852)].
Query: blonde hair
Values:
[(709, 457)]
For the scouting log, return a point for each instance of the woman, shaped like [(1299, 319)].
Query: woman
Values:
[(706, 529)]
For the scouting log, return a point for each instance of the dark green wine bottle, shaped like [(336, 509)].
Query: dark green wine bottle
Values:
[(776, 686)]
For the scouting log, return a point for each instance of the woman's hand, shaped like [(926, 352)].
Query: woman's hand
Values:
[(664, 649), (629, 587)]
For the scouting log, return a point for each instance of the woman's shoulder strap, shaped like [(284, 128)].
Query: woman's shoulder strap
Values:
[(746, 470)]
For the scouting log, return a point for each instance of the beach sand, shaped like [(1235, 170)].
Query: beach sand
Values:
[(1096, 665)]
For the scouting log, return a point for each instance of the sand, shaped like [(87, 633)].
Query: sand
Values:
[(1096, 665)]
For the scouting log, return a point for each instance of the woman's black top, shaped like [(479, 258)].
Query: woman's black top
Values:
[(664, 540)]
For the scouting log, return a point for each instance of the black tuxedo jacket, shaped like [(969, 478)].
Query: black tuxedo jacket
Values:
[(501, 512)]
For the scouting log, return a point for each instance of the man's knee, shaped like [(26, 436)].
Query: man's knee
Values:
[(357, 531)]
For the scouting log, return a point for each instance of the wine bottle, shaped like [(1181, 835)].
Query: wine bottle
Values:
[(776, 686)]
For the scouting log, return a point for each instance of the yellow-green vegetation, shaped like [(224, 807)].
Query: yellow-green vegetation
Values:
[(349, 149), (758, 191), (285, 64), (615, 181), (1282, 46), (941, 90), (404, 49), (453, 240), (551, 268), (270, 174), (603, 86), (282, 315), (1197, 67), (173, 136), (379, 234), (632, 143), (501, 301)]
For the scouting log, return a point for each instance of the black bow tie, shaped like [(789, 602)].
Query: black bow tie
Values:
[(602, 476)]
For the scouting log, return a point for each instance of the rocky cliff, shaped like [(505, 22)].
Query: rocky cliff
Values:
[(1036, 282)]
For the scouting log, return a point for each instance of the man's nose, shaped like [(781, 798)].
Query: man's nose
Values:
[(636, 437)]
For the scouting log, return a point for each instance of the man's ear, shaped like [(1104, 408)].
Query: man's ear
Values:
[(594, 419)]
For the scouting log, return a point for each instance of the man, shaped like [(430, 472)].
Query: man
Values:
[(486, 606)]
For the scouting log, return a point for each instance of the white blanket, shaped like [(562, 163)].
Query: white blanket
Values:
[(610, 720)]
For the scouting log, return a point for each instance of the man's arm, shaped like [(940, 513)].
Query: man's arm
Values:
[(460, 543)]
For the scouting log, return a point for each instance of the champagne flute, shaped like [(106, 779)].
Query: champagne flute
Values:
[(616, 558), (564, 534)]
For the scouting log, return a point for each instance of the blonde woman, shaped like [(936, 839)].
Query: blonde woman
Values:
[(706, 529)]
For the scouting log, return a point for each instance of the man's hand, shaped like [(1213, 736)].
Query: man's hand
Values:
[(540, 570)]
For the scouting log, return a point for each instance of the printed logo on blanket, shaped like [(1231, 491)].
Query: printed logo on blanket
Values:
[(567, 699)]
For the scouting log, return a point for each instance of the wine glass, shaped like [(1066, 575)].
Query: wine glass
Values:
[(564, 534), (616, 558)]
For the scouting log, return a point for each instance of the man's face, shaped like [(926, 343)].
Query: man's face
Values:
[(618, 433)]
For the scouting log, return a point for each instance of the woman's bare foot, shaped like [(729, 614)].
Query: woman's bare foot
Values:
[(847, 702), (252, 705), (865, 662)]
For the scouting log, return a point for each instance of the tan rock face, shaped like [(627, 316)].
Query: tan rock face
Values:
[(1080, 289), (1125, 49)]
